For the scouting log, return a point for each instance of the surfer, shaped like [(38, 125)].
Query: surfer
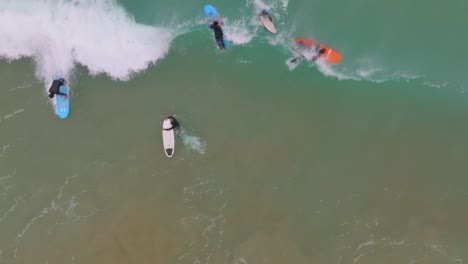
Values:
[(55, 88), (266, 13), (168, 132), (302, 47), (319, 51), (170, 123), (219, 35)]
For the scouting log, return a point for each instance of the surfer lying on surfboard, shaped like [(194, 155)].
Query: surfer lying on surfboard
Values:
[(168, 132), (317, 49), (219, 35), (55, 88), (170, 123), (265, 13)]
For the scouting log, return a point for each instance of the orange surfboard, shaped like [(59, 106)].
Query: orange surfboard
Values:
[(330, 55)]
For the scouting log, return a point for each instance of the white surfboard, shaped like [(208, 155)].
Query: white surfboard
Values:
[(268, 23), (168, 138)]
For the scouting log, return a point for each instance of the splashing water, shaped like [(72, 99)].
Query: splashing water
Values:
[(99, 35), (192, 142)]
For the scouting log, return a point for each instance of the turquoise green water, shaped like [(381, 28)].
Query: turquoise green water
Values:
[(362, 162)]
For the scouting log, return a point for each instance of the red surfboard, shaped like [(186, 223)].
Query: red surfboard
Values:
[(329, 55)]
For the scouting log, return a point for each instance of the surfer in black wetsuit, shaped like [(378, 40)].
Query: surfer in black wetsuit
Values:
[(319, 51), (174, 123), (55, 88), (219, 36), (302, 47)]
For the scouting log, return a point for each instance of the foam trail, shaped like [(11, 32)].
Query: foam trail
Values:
[(329, 70), (282, 39), (14, 113), (260, 5), (99, 35), (369, 72), (23, 86), (238, 32), (291, 65), (361, 69), (11, 209), (271, 5), (193, 142)]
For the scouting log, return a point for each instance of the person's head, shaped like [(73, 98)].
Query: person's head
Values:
[(51, 95), (322, 51), (216, 23)]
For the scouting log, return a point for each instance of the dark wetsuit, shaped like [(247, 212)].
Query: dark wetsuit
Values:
[(219, 36), (55, 87), (319, 51), (265, 13), (174, 123)]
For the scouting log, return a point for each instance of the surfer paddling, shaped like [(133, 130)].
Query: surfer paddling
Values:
[(55, 88), (318, 52), (219, 35), (267, 21), (170, 123), (168, 131), (265, 13)]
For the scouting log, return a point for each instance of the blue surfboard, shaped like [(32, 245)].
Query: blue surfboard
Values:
[(213, 15), (62, 102), (211, 11)]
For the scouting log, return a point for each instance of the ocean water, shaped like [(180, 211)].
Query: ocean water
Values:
[(360, 162)]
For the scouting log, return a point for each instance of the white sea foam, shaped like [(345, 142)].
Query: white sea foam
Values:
[(238, 32), (193, 142), (99, 35)]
